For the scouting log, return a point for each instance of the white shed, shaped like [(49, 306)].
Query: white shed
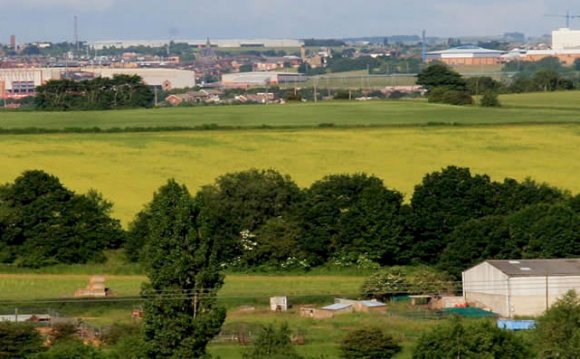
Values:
[(525, 287)]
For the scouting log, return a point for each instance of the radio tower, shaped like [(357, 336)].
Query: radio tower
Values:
[(77, 47)]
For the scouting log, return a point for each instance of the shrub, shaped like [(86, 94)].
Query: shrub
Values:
[(482, 339), (558, 330), (369, 343), (450, 96), (490, 99), (273, 343), (71, 349), (18, 341)]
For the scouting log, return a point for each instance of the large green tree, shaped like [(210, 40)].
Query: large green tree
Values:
[(46, 223), (444, 200), (181, 313), (441, 75), (351, 215), (239, 203)]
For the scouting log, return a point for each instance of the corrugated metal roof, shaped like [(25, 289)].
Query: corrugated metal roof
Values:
[(538, 267), (337, 306), (372, 303), (466, 50)]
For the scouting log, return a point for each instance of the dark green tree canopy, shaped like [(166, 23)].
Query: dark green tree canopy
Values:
[(369, 343), (351, 214), (46, 223), (19, 341), (440, 75), (239, 203), (181, 313)]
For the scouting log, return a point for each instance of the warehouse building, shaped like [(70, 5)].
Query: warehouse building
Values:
[(260, 79), (466, 55), (520, 287), (565, 39), (22, 82), (166, 78)]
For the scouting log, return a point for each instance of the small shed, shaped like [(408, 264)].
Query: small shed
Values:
[(339, 308), (279, 304), (370, 306)]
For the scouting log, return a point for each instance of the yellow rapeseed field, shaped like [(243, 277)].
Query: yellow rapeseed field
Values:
[(127, 168)]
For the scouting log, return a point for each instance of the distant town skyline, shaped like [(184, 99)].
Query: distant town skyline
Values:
[(52, 20)]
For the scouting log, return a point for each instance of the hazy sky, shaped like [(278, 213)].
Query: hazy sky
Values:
[(52, 20)]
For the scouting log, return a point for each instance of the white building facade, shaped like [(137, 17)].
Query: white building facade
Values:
[(565, 39), (520, 287)]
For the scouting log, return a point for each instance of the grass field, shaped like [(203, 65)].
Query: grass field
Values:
[(322, 337), (127, 168), (529, 108)]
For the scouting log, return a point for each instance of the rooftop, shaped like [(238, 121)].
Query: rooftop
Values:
[(337, 306), (468, 49), (537, 267)]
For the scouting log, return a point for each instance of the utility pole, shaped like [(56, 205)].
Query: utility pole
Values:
[(77, 48)]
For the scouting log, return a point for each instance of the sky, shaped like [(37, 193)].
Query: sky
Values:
[(52, 20)]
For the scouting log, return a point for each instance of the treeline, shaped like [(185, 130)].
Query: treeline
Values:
[(261, 220), (119, 92)]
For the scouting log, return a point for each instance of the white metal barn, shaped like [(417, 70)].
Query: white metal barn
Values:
[(524, 287)]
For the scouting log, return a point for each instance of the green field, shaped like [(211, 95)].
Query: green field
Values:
[(529, 108), (31, 291)]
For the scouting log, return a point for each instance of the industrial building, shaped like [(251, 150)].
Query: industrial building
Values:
[(524, 287), (466, 55), (565, 39), (260, 79), (166, 78), (221, 43), (22, 82)]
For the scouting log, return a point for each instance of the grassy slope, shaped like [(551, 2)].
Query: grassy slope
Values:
[(557, 107)]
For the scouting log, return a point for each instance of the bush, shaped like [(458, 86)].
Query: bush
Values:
[(273, 343), (71, 349), (482, 339), (450, 97), (18, 341), (490, 99), (369, 343), (558, 330)]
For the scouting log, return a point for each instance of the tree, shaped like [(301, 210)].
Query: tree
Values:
[(490, 99), (472, 242), (482, 339), (577, 64), (392, 281), (369, 343), (273, 343), (351, 215), (19, 340), (181, 313), (557, 333), (47, 223), (444, 200), (440, 75), (239, 203)]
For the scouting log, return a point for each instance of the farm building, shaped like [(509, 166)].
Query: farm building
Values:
[(520, 287), (466, 55)]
